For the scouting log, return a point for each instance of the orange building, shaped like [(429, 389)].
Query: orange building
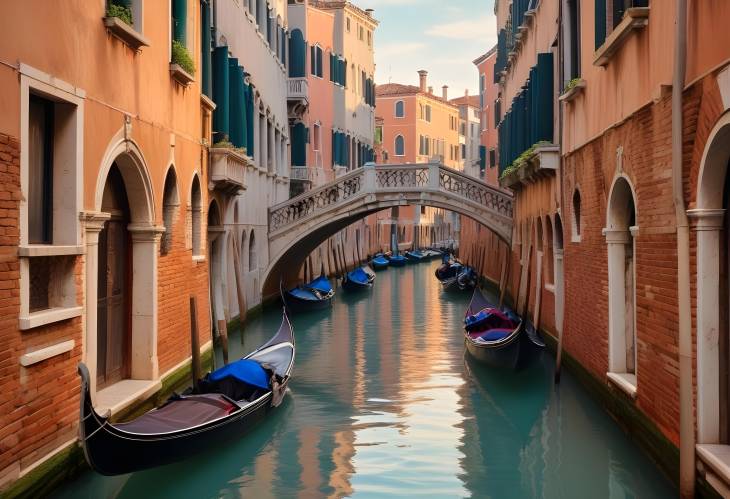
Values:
[(417, 127)]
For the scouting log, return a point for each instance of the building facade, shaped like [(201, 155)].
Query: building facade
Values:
[(488, 113), (104, 205), (613, 141), (418, 127)]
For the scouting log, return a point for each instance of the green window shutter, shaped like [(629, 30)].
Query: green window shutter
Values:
[(179, 20), (319, 62), (297, 55), (600, 22), (299, 145), (237, 110), (313, 60), (221, 117), (205, 54), (248, 95)]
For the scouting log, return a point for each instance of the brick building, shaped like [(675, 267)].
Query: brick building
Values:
[(622, 217)]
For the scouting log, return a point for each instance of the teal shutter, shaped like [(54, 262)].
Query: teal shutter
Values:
[(237, 111), (179, 20), (313, 61), (221, 116), (319, 62), (205, 42), (248, 96), (299, 145), (297, 55), (600, 22)]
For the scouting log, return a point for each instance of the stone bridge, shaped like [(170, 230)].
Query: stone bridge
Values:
[(298, 225)]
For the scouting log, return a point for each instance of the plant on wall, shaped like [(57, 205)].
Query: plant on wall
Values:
[(181, 57), (120, 10)]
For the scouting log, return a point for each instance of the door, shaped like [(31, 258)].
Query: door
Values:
[(113, 312)]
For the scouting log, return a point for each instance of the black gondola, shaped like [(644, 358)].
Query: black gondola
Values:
[(415, 256), (316, 295), (447, 270), (357, 280), (397, 260), (228, 404), (497, 337)]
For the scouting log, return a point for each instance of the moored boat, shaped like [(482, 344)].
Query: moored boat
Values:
[(227, 404), (316, 295), (379, 262), (397, 260), (357, 280), (498, 337), (414, 256)]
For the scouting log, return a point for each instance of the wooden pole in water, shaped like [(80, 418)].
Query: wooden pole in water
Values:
[(240, 293), (505, 279), (223, 332), (194, 340)]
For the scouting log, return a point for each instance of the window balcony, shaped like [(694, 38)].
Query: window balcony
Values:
[(635, 18), (540, 162), (227, 170)]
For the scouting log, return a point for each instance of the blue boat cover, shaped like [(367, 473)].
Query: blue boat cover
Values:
[(303, 294), (380, 260), (321, 284), (398, 258), (496, 334), (358, 275), (244, 370)]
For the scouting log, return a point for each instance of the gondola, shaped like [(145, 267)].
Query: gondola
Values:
[(379, 262), (357, 280), (316, 295), (497, 337), (414, 256), (431, 254), (448, 270), (467, 278), (397, 260), (227, 404)]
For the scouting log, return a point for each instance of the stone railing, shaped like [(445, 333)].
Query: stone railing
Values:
[(429, 178)]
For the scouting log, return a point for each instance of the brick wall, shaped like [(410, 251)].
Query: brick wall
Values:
[(38, 405)]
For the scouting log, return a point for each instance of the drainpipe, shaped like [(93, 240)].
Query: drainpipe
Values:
[(686, 409)]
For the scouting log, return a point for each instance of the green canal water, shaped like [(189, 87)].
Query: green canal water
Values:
[(385, 403)]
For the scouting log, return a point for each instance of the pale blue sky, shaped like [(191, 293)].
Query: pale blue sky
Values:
[(442, 37)]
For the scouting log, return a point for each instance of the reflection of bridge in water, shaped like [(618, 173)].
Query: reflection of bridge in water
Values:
[(298, 225)]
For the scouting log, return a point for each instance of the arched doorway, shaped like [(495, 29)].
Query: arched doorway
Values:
[(113, 326), (559, 282), (712, 230), (620, 230), (217, 284)]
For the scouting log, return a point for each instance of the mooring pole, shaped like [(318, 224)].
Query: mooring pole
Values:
[(223, 332), (194, 340)]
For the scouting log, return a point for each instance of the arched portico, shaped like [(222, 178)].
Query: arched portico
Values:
[(125, 158)]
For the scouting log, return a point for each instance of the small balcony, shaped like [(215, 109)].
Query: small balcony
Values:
[(227, 170), (540, 161), (297, 96)]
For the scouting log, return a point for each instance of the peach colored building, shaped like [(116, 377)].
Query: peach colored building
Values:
[(488, 112), (104, 207), (418, 126)]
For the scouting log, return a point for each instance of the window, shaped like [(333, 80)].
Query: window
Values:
[(571, 23), (170, 204), (360, 33), (463, 150), (423, 210), (492, 158), (576, 216), (379, 134), (50, 163), (316, 145), (316, 61), (609, 14), (196, 208), (400, 146), (40, 170), (370, 38), (252, 258), (428, 113), (348, 24)]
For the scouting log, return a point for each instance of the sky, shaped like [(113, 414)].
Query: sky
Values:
[(442, 37)]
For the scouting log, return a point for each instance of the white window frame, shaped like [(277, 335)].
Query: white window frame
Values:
[(395, 109), (34, 81), (395, 145)]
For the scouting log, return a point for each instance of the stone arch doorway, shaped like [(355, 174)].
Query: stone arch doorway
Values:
[(123, 219), (620, 233), (711, 227), (113, 326)]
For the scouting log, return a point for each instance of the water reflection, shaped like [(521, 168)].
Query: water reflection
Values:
[(384, 402)]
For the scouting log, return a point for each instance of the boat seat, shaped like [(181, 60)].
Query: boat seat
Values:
[(492, 335), (181, 413)]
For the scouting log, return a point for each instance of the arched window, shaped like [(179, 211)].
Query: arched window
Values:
[(400, 109), (400, 146), (576, 216), (170, 205), (549, 262), (244, 256), (252, 261), (196, 206)]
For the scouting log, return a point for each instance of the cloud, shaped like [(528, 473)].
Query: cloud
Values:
[(480, 28)]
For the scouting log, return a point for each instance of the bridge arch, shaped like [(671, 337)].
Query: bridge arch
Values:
[(298, 225)]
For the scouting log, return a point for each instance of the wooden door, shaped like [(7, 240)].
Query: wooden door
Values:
[(113, 304)]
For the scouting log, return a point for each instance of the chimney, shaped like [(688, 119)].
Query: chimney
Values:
[(430, 90), (445, 92), (422, 75), (466, 92), (369, 12)]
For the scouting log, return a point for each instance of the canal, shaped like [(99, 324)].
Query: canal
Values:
[(385, 403)]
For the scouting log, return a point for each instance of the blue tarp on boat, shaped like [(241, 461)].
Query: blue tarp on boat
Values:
[(380, 260), (321, 284), (358, 275), (303, 294), (244, 370)]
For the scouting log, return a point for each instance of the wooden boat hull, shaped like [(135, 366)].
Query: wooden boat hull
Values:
[(297, 305), (354, 286)]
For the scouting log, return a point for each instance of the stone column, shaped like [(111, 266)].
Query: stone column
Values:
[(559, 293), (93, 223), (707, 225), (145, 250), (616, 239)]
